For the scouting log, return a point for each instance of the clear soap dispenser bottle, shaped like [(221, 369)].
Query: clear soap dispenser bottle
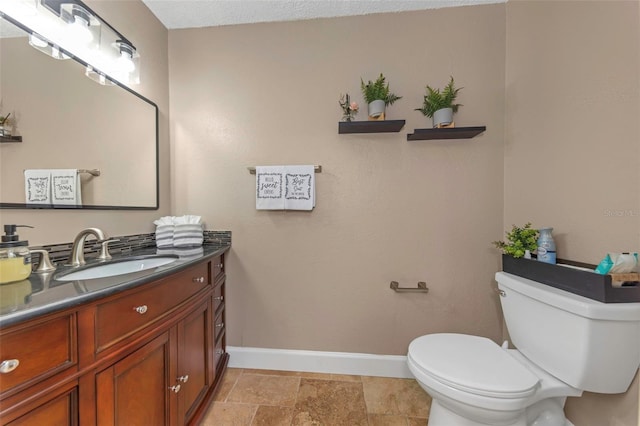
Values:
[(15, 257)]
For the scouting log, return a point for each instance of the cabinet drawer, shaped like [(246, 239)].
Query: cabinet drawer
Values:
[(37, 351), (218, 296), (217, 267), (218, 325), (121, 317)]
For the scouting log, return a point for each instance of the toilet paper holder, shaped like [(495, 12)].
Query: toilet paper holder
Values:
[(422, 287)]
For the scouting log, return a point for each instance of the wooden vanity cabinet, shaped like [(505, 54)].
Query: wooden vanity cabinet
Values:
[(127, 368)]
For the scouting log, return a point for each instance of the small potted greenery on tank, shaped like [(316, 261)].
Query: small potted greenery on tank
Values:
[(519, 241)]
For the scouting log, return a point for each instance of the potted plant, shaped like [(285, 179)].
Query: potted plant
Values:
[(440, 105), (520, 241), (377, 96), (4, 125), (349, 107)]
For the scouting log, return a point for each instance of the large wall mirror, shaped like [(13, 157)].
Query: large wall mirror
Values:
[(67, 121)]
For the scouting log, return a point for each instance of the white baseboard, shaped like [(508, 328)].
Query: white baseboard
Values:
[(319, 362)]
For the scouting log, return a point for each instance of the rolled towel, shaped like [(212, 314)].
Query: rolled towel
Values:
[(187, 235), (164, 235)]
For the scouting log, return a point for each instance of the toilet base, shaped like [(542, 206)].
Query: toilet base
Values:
[(442, 416), (544, 413)]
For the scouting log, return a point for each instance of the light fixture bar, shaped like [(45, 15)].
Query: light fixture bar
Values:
[(69, 28), (55, 6)]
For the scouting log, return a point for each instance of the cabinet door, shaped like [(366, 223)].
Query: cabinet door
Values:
[(194, 360), (135, 390), (59, 409)]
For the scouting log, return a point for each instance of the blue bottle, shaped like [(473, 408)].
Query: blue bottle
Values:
[(546, 246)]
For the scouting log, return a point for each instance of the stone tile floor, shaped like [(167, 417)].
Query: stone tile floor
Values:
[(289, 398)]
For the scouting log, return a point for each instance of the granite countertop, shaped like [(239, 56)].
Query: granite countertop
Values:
[(42, 294)]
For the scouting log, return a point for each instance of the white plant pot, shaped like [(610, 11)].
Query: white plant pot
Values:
[(376, 108), (443, 116)]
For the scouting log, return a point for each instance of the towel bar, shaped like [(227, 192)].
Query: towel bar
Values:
[(252, 170), (93, 172), (422, 287)]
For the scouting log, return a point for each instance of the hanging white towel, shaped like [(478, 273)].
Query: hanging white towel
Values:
[(37, 186), (270, 187), (300, 188), (66, 187)]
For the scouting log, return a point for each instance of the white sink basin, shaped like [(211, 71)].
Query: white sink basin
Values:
[(117, 268)]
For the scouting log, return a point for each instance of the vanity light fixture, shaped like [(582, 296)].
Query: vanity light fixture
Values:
[(82, 26), (69, 28), (125, 61), (44, 46), (128, 62), (98, 76)]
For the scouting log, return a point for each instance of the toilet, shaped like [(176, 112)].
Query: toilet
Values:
[(565, 344)]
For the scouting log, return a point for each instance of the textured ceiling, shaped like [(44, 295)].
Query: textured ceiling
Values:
[(208, 13)]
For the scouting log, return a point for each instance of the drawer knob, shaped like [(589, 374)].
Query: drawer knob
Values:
[(220, 298), (198, 279), (219, 352), (7, 366), (184, 378), (219, 266), (174, 389), (220, 325), (142, 309)]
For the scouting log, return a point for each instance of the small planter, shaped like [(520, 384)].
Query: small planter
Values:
[(376, 108), (443, 117)]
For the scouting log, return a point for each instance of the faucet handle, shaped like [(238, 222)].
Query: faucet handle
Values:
[(104, 248), (45, 264)]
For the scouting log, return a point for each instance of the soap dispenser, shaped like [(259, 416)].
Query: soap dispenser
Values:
[(15, 257)]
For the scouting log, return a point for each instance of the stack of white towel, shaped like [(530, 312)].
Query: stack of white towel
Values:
[(285, 187), (52, 186), (179, 231), (184, 253)]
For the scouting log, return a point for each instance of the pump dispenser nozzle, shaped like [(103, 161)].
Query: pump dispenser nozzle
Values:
[(10, 233)]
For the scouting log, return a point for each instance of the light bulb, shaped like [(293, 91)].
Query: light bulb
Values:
[(125, 62), (79, 30)]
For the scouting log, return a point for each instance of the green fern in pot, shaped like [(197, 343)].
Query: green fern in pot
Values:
[(440, 105), (378, 96)]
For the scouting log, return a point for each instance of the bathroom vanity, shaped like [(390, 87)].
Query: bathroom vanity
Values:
[(144, 349)]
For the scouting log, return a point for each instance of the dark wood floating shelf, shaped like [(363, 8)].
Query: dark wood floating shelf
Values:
[(446, 133), (10, 139), (382, 126)]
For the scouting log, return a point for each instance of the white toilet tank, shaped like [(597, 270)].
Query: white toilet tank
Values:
[(587, 344)]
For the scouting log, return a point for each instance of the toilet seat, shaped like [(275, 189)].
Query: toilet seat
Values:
[(472, 364)]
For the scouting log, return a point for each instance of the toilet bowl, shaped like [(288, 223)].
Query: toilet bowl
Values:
[(473, 381), (565, 344)]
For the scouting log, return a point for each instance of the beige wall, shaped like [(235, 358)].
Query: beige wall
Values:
[(135, 21), (572, 151), (387, 209)]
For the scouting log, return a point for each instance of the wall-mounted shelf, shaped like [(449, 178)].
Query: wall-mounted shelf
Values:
[(8, 139), (382, 126), (446, 133)]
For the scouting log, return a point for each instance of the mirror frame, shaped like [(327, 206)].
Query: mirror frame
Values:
[(93, 207)]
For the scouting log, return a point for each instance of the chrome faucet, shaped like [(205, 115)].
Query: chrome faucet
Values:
[(77, 251)]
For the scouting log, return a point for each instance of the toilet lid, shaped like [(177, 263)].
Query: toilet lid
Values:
[(472, 364)]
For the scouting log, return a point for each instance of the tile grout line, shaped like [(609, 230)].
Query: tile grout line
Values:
[(232, 387)]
